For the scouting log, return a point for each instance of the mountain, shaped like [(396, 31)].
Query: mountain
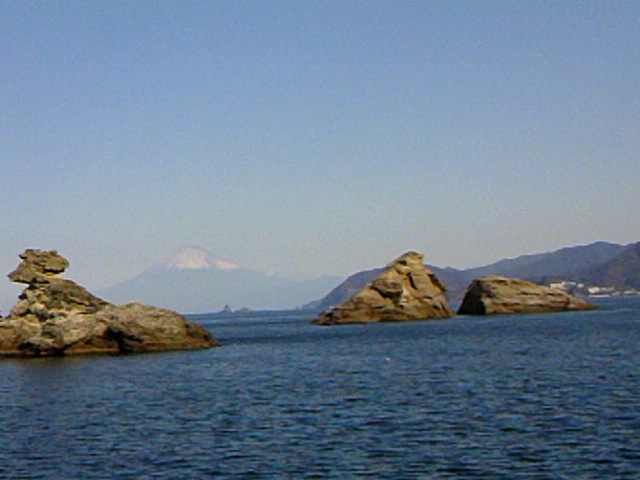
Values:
[(195, 258), (622, 271), (193, 280), (567, 263)]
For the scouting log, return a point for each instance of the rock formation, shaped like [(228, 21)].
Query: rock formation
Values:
[(55, 316), (493, 294), (405, 290)]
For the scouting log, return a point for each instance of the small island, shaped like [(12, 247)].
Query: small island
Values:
[(405, 290), (56, 316), (494, 294)]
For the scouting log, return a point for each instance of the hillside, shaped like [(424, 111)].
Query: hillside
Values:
[(621, 272), (566, 261)]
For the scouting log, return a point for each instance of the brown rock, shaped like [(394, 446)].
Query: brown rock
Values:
[(55, 316), (495, 294), (405, 290), (37, 265)]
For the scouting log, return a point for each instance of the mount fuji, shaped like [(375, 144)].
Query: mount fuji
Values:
[(195, 258), (193, 280)]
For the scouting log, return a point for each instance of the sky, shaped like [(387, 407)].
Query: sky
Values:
[(315, 137)]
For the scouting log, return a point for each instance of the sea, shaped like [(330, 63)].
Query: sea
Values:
[(554, 396)]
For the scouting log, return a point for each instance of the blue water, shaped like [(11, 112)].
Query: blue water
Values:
[(552, 396)]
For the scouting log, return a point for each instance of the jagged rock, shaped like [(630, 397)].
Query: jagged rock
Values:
[(38, 266), (405, 290), (55, 316), (493, 294)]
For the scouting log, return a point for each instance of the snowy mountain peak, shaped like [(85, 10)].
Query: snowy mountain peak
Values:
[(195, 258), (225, 265)]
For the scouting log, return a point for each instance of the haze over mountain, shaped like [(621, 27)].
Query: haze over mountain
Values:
[(193, 280)]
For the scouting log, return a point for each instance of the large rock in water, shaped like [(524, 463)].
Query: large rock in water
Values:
[(493, 294), (55, 316), (405, 290)]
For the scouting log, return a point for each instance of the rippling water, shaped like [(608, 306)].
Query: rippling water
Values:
[(534, 397)]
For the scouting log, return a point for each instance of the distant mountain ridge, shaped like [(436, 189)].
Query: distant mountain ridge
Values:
[(560, 262), (595, 263), (193, 280)]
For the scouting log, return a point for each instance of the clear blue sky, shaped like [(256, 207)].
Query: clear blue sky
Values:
[(315, 137)]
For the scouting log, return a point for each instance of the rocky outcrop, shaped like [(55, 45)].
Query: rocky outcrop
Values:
[(56, 316), (405, 290), (493, 294)]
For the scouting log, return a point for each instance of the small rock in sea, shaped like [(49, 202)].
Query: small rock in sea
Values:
[(494, 294), (405, 290)]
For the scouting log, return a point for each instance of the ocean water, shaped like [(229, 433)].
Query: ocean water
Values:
[(552, 396)]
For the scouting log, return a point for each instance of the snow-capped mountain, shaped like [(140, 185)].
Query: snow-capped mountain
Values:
[(195, 258), (193, 280)]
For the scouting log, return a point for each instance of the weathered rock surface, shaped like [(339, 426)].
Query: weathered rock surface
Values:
[(405, 290), (493, 294), (55, 316)]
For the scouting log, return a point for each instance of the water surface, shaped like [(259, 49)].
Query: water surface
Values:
[(552, 396)]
